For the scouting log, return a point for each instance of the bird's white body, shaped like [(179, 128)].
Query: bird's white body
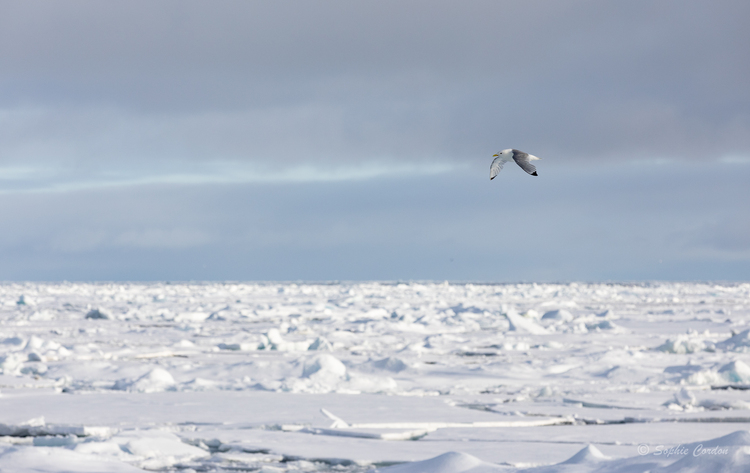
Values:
[(521, 158), (509, 153)]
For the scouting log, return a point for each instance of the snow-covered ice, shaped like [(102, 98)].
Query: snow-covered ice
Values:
[(393, 377)]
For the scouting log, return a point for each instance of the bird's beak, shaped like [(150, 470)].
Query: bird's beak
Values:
[(494, 156)]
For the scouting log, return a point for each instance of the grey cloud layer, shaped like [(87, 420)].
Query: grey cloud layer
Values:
[(330, 83), (608, 223)]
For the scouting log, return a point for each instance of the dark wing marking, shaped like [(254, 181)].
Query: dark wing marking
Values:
[(522, 159)]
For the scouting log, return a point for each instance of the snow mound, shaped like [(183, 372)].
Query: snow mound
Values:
[(740, 438), (603, 325), (24, 300), (589, 454), (12, 363), (738, 342), (98, 314), (561, 315), (682, 345), (324, 365), (193, 317), (391, 364), (705, 377), (320, 344), (523, 324), (736, 372), (324, 373), (156, 380), (200, 384), (728, 453), (272, 340), (684, 398), (451, 462)]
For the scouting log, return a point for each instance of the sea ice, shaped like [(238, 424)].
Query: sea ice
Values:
[(523, 324), (558, 314), (681, 345), (736, 372), (738, 342), (233, 376), (156, 380), (98, 314), (450, 462)]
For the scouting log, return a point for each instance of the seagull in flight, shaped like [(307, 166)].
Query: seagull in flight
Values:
[(521, 158)]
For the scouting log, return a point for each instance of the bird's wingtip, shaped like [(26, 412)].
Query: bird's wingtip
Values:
[(535, 174)]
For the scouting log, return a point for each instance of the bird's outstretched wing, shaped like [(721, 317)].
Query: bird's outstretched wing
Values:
[(497, 166), (522, 159)]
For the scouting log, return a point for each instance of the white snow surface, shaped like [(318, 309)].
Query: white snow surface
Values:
[(386, 377)]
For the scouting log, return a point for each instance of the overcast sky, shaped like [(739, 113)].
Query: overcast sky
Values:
[(283, 140)]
